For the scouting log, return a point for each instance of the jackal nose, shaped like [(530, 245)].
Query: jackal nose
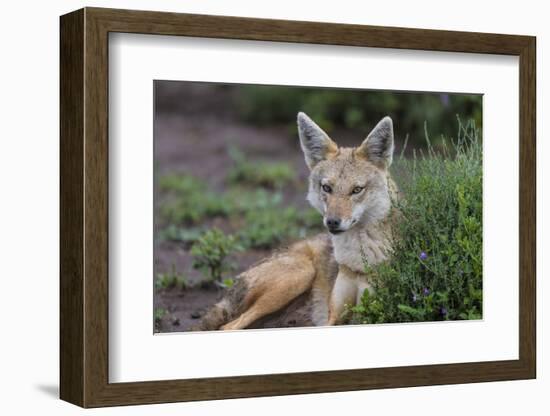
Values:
[(333, 223)]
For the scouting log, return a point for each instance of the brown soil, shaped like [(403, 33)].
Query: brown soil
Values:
[(186, 307)]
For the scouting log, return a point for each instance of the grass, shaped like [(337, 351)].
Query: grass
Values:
[(184, 235), (260, 217), (435, 272), (268, 228), (158, 314), (171, 279), (273, 175), (194, 208), (180, 183), (188, 200), (271, 227), (244, 199)]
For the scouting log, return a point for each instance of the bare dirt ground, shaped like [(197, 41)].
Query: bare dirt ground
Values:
[(192, 136)]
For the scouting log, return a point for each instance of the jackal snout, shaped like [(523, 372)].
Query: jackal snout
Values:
[(338, 215), (333, 224)]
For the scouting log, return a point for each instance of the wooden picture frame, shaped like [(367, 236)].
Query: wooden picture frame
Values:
[(84, 207)]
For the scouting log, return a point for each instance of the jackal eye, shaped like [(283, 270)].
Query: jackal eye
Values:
[(326, 188), (357, 190)]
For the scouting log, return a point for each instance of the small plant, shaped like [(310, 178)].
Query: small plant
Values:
[(435, 272), (267, 174), (228, 282), (171, 280), (211, 251)]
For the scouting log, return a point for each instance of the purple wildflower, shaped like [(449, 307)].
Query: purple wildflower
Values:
[(423, 256), (443, 311), (426, 291)]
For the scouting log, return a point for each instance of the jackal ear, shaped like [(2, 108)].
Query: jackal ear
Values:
[(378, 146), (316, 144)]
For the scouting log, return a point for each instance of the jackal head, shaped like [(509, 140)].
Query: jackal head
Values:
[(348, 186)]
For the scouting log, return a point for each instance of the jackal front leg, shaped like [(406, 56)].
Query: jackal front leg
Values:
[(343, 293)]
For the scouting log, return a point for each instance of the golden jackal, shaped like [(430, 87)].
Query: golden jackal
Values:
[(353, 191)]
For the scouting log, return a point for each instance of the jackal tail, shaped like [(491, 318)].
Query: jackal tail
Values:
[(227, 309)]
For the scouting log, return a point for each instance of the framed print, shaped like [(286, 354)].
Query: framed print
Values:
[(255, 207)]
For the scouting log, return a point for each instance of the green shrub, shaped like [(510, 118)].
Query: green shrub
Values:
[(210, 253), (435, 272), (267, 174)]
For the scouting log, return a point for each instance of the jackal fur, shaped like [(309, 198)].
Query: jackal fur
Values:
[(353, 190)]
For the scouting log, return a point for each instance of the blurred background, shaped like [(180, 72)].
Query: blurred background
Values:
[(231, 181), (356, 111)]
